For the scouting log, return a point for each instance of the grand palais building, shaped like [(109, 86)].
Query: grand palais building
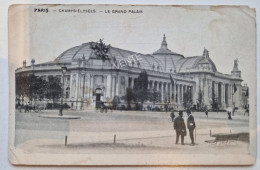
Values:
[(89, 78)]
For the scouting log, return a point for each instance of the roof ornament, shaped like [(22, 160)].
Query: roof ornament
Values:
[(100, 49), (138, 64), (164, 43), (84, 60), (164, 49), (24, 63), (205, 53), (235, 68), (79, 62), (33, 61)]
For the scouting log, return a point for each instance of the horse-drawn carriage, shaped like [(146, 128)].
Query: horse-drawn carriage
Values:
[(35, 106), (103, 107)]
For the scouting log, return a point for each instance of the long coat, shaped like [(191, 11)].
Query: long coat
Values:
[(179, 125), (190, 122)]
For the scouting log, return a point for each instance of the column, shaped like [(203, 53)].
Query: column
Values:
[(209, 90), (109, 86), (162, 97), (152, 85), (165, 92), (206, 92), (77, 87), (226, 94), (83, 85), (126, 83), (177, 93), (91, 86), (192, 95), (174, 91), (105, 95), (184, 91), (132, 83), (180, 89), (229, 95), (240, 96), (168, 91), (117, 85), (216, 90), (170, 85), (223, 94), (232, 95), (113, 87)]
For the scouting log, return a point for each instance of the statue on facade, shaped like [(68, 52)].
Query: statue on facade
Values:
[(100, 49), (235, 65), (236, 62)]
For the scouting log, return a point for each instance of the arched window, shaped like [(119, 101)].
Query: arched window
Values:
[(67, 92)]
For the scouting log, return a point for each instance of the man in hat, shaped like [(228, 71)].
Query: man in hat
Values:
[(191, 125), (180, 128)]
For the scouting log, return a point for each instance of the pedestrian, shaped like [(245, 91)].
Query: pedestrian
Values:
[(166, 108), (26, 107), (172, 115), (180, 128), (191, 126), (229, 115), (207, 113), (233, 110), (246, 112)]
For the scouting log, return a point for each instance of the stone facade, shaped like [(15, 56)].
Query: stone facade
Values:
[(89, 79)]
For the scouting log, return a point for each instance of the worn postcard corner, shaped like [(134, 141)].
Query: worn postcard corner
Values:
[(132, 85)]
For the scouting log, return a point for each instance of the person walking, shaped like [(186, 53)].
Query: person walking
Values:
[(207, 113), (191, 126), (172, 115), (180, 128)]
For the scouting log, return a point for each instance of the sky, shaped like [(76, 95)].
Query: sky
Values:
[(227, 32)]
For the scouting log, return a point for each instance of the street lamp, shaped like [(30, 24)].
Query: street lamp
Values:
[(63, 70)]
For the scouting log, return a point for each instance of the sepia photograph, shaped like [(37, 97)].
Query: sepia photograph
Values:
[(132, 85)]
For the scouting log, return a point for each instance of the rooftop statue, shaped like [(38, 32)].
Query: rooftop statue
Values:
[(100, 49)]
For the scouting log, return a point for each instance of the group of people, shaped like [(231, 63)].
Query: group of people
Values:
[(180, 128)]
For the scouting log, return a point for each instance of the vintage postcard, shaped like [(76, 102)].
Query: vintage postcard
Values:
[(132, 85)]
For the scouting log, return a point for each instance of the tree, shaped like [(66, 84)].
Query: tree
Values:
[(53, 89), (154, 96), (141, 88), (21, 87), (116, 101), (187, 101), (37, 88), (30, 86), (200, 99), (214, 102), (129, 97)]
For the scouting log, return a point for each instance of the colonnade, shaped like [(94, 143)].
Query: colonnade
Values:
[(171, 92), (222, 92)]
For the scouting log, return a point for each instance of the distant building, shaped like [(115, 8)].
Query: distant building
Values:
[(91, 79)]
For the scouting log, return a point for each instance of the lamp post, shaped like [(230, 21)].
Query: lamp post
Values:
[(63, 70)]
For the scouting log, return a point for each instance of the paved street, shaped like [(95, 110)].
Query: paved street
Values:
[(136, 132)]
